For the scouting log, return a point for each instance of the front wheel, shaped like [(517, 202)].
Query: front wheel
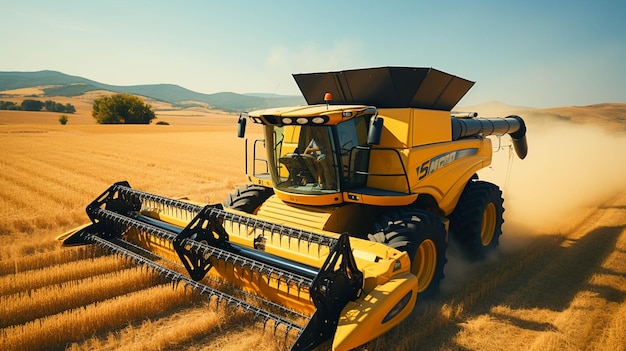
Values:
[(248, 198), (422, 235), (476, 222)]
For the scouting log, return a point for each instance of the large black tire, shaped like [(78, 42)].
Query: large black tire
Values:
[(422, 235), (248, 198), (476, 222)]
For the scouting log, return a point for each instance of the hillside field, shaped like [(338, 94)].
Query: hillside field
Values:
[(557, 281)]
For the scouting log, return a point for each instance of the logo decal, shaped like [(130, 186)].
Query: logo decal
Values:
[(443, 160)]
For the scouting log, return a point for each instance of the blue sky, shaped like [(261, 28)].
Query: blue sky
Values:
[(531, 53)]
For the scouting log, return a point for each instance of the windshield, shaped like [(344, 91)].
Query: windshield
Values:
[(304, 159)]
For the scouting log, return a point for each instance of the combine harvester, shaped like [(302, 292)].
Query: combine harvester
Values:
[(346, 217)]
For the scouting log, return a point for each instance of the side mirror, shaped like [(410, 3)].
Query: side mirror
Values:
[(241, 129), (375, 132)]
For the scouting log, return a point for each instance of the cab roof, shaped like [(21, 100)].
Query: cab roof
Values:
[(308, 114), (309, 110)]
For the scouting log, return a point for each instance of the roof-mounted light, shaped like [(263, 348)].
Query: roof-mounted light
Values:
[(328, 97)]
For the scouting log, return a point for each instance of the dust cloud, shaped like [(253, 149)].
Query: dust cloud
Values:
[(570, 169)]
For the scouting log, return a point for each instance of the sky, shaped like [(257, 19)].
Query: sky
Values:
[(526, 53)]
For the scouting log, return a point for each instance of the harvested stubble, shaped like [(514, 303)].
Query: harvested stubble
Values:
[(80, 323), (49, 300)]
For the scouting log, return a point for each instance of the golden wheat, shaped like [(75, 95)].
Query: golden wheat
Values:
[(25, 257), (29, 305), (55, 331), (198, 328), (188, 324), (63, 272)]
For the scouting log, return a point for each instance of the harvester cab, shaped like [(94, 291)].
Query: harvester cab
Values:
[(347, 214), (318, 159)]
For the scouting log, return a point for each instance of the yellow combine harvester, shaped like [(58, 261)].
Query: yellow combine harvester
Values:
[(346, 217)]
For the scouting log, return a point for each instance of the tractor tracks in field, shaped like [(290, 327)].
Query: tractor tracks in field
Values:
[(533, 298), (549, 287)]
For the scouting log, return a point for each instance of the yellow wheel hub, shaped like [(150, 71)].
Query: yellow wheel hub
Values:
[(488, 227), (424, 264)]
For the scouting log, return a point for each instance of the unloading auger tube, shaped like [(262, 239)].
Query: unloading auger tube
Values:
[(512, 125), (204, 241)]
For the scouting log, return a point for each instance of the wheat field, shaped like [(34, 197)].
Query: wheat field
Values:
[(551, 287)]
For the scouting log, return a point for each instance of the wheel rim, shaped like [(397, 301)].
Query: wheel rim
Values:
[(488, 227), (424, 264)]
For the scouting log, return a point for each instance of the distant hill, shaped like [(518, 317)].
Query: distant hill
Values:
[(612, 116), (61, 84)]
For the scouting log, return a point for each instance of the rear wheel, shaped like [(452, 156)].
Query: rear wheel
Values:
[(476, 222), (423, 236), (248, 198)]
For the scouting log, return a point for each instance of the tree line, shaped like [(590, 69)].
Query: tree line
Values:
[(36, 105), (115, 109)]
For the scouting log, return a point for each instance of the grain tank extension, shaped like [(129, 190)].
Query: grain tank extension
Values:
[(346, 219)]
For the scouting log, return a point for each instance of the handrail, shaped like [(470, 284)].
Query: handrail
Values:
[(255, 158)]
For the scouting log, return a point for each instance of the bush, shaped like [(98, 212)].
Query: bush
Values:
[(162, 123), (122, 108), (63, 119)]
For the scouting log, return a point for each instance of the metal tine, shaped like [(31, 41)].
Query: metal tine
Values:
[(204, 290), (247, 226), (319, 244), (158, 200), (271, 229), (234, 259), (122, 223), (287, 330), (217, 302), (276, 325), (265, 322)]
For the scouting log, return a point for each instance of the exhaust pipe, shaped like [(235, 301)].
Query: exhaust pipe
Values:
[(512, 125)]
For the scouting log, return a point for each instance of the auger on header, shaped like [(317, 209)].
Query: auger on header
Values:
[(347, 221)]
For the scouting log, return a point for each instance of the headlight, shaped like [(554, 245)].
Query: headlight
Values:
[(398, 307)]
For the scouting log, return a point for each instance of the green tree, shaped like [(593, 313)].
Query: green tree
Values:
[(122, 108), (8, 105), (69, 108), (53, 106), (50, 106), (32, 105), (63, 119)]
